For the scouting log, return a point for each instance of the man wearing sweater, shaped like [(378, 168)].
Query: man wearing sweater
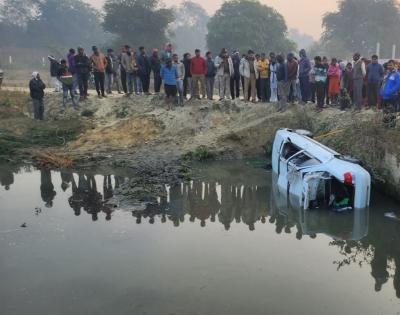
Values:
[(198, 69), (99, 64), (375, 74)]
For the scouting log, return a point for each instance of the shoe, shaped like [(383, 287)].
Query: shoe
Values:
[(104, 95), (119, 92)]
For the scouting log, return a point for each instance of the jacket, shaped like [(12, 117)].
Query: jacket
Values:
[(169, 75), (245, 68), (220, 67), (236, 66), (281, 71), (198, 66), (54, 66), (36, 88), (128, 62), (71, 63), (82, 64), (155, 64), (375, 73), (292, 67), (391, 86), (263, 68), (304, 67), (211, 69), (320, 73), (143, 64), (186, 64), (99, 62), (180, 69), (359, 70)]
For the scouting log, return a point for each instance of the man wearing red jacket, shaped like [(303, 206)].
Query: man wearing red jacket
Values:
[(198, 68)]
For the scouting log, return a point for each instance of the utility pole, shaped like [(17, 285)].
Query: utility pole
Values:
[(394, 52)]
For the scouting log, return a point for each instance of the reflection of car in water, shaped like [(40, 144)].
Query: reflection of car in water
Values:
[(349, 226), (317, 176)]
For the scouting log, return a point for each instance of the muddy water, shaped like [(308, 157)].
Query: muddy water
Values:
[(227, 243)]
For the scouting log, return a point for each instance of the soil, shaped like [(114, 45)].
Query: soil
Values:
[(138, 133)]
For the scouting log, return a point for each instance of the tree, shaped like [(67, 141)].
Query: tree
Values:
[(361, 24), (18, 12), (247, 24), (137, 22), (190, 27), (64, 24)]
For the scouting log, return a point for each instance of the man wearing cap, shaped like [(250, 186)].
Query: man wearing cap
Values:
[(36, 88)]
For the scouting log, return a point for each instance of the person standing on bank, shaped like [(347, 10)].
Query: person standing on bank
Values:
[(112, 71), (180, 68), (155, 63), (321, 75), (36, 88), (210, 76), (263, 69), (248, 69), (334, 81), (82, 65), (283, 84), (122, 71), (72, 69), (68, 87), (169, 75), (235, 79), (187, 81), (198, 69), (144, 66), (272, 78), (304, 76), (99, 64), (375, 74), (225, 71), (359, 72)]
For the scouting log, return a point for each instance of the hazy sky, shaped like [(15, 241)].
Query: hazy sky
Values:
[(304, 15)]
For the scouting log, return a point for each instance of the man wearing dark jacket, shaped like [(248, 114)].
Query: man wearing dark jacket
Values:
[(144, 66), (36, 87), (210, 75), (187, 81), (235, 79), (375, 74), (82, 65), (155, 63)]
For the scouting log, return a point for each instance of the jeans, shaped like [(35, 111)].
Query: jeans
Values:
[(264, 89), (75, 83), (321, 93), (83, 83), (373, 92), (250, 87), (70, 89), (179, 85), (292, 90), (112, 78), (157, 81), (357, 92), (210, 87), (196, 80), (224, 82), (123, 80), (283, 93), (99, 78), (235, 87), (133, 83), (145, 79), (187, 86), (38, 108), (305, 88)]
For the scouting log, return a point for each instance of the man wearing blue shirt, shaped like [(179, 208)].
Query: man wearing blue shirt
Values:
[(374, 76), (169, 75)]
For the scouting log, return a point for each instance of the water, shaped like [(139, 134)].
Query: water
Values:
[(226, 244)]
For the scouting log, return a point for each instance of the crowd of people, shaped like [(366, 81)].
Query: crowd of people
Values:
[(276, 78)]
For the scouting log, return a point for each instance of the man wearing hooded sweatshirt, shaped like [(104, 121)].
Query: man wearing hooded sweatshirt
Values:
[(36, 87), (304, 76), (235, 79), (155, 63), (225, 71), (390, 87)]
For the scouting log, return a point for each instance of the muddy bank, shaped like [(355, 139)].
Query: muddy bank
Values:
[(159, 145)]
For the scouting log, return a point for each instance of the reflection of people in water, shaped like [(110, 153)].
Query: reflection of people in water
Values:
[(249, 207), (108, 191), (228, 206), (176, 210), (199, 206), (93, 200), (47, 188), (66, 179), (6, 176)]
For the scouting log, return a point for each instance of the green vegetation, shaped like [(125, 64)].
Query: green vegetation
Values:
[(200, 154)]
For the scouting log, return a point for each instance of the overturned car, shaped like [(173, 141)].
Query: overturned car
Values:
[(315, 176)]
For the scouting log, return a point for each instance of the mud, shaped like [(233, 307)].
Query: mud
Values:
[(159, 146)]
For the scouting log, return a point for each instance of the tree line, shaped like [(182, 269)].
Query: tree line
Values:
[(239, 24)]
